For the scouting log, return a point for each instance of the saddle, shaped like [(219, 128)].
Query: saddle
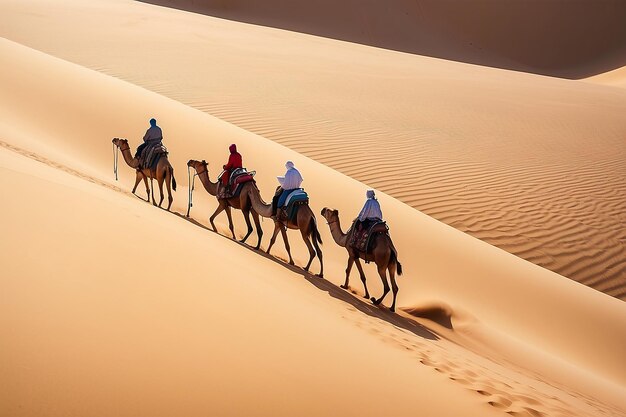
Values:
[(150, 155), (292, 203), (362, 233), (238, 177)]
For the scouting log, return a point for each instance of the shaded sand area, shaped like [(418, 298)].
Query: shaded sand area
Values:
[(573, 40), (109, 306), (531, 164)]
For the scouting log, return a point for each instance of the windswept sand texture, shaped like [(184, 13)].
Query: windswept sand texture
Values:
[(109, 306), (534, 165)]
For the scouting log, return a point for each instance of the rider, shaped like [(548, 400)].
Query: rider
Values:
[(371, 210), (153, 136), (234, 162), (289, 182)]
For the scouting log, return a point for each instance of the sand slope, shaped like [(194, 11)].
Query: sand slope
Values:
[(575, 40), (531, 164), (96, 330), (615, 78)]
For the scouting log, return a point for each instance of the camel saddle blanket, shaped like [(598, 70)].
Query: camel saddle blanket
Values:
[(292, 203), (238, 177), (151, 154), (362, 233)]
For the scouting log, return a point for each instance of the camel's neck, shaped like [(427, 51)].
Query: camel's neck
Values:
[(338, 236), (264, 210), (128, 157), (211, 187)]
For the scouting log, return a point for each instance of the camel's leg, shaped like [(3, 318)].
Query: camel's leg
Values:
[(348, 269), (145, 181), (382, 271), (362, 274), (277, 227), (246, 217), (152, 190), (160, 178), (318, 250), (259, 229), (306, 237), (168, 184), (394, 286), (138, 176), (230, 221), (283, 232), (218, 210)]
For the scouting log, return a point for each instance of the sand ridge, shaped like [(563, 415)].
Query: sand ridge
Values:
[(508, 35)]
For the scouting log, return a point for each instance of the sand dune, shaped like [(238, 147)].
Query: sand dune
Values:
[(531, 164), (94, 329), (581, 39)]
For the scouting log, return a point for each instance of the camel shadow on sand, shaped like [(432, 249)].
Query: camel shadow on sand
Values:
[(365, 307)]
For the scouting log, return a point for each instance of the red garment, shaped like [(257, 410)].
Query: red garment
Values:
[(234, 161)]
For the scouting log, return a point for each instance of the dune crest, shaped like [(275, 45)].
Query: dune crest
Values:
[(583, 39)]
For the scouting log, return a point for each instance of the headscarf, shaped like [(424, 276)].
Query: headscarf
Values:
[(232, 148), (370, 194), (289, 165)]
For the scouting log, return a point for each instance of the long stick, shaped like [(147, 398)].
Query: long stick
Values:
[(115, 158), (191, 182)]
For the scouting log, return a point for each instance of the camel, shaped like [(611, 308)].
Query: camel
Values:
[(163, 172), (383, 253), (241, 202), (305, 222)]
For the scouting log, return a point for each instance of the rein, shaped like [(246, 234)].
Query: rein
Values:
[(115, 158), (192, 181)]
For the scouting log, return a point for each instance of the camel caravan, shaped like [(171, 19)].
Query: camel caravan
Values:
[(367, 238)]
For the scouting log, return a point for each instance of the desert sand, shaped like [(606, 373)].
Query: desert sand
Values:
[(113, 307)]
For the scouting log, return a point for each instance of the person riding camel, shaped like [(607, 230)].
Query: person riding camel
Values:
[(153, 136), (234, 162), (370, 212), (289, 182)]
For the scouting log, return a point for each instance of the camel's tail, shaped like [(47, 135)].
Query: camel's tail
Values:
[(173, 179), (394, 256), (314, 231)]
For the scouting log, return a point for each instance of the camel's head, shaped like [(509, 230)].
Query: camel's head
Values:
[(119, 142), (197, 165), (330, 214)]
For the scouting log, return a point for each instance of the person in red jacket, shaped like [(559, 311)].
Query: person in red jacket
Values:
[(234, 161)]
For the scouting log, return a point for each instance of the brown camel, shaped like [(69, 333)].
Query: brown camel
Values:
[(163, 172), (383, 253), (304, 221), (241, 202)]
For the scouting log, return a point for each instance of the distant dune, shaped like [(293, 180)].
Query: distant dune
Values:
[(571, 39)]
